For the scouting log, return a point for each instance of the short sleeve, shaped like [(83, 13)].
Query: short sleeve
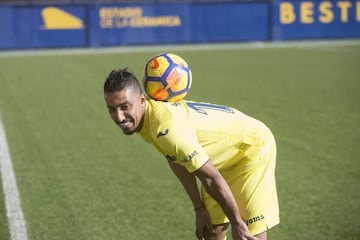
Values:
[(178, 142)]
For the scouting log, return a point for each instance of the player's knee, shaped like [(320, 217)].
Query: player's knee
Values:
[(262, 236), (218, 232)]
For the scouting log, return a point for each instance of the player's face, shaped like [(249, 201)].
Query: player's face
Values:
[(127, 109)]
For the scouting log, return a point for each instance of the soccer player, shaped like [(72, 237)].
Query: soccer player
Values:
[(233, 155)]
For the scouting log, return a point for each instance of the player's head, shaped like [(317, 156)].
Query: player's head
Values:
[(125, 100)]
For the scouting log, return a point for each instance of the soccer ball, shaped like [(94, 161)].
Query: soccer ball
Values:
[(167, 77)]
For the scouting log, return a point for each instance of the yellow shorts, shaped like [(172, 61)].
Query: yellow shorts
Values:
[(252, 182)]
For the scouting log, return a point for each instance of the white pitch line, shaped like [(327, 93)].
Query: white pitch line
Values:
[(12, 200), (180, 47)]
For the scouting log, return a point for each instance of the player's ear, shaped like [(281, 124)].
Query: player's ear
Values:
[(142, 98)]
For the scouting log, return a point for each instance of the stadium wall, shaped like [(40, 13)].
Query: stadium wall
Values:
[(97, 24)]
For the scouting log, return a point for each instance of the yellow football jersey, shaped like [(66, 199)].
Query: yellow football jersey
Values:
[(190, 133)]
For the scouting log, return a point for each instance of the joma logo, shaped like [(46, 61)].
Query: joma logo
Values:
[(255, 219)]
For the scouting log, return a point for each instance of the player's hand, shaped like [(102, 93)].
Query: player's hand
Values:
[(202, 221), (241, 232)]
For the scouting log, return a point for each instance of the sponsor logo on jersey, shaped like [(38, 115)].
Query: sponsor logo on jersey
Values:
[(190, 156)]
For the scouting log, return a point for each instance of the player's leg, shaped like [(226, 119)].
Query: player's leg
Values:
[(252, 182), (253, 185), (218, 219), (253, 204), (262, 236), (219, 232)]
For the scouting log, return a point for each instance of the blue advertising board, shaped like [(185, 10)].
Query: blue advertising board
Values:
[(42, 26), (296, 19), (120, 24), (96, 24), (6, 29)]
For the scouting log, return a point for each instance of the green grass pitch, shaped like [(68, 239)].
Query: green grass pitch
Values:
[(79, 177)]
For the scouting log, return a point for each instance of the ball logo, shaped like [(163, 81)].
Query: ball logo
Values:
[(156, 63)]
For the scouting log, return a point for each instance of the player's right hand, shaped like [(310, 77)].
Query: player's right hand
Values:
[(202, 222)]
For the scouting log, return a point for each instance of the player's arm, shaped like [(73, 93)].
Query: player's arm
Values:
[(218, 189), (188, 180)]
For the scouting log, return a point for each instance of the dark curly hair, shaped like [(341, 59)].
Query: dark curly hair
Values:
[(121, 79)]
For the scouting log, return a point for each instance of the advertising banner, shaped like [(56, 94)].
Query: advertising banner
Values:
[(120, 24), (42, 27), (96, 24), (296, 19)]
